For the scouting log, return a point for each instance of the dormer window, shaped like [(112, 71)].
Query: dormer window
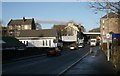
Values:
[(19, 27)]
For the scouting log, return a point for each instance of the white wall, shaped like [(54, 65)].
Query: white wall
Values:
[(69, 38), (39, 43)]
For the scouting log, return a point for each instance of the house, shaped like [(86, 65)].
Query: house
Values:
[(70, 32), (109, 24), (68, 29), (44, 38), (20, 24)]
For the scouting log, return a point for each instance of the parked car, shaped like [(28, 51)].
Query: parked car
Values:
[(80, 45), (53, 52)]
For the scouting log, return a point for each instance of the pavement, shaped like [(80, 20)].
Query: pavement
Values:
[(95, 63)]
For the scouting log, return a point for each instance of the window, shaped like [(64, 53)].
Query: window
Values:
[(46, 42), (49, 42), (43, 43), (25, 27), (17, 33), (19, 27)]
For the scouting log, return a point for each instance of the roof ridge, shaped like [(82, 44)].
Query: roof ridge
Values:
[(111, 15)]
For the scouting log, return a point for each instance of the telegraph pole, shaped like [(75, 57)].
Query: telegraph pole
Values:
[(108, 51)]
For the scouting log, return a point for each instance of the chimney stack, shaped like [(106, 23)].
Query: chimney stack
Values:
[(24, 19)]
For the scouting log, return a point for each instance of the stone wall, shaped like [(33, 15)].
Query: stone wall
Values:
[(110, 25)]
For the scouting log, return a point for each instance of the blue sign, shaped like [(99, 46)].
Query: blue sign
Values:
[(115, 36)]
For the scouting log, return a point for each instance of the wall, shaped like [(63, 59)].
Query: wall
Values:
[(111, 24), (49, 42)]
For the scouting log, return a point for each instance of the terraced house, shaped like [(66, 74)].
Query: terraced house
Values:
[(14, 26), (109, 24)]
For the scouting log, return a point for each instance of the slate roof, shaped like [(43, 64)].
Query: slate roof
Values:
[(20, 21), (38, 33)]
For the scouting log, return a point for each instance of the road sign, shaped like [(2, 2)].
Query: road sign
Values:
[(108, 35)]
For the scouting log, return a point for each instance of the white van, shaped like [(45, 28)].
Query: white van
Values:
[(93, 42)]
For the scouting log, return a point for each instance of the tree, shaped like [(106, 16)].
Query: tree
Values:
[(102, 6), (60, 30), (38, 26), (83, 28)]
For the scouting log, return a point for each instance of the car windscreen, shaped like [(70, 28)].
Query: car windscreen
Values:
[(93, 41)]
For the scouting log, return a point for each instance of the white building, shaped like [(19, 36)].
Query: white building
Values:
[(38, 38), (71, 33)]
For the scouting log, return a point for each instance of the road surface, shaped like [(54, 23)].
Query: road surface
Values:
[(44, 64)]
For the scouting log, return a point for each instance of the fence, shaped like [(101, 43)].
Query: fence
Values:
[(114, 51)]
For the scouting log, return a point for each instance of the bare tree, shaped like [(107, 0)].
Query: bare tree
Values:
[(102, 6), (38, 26)]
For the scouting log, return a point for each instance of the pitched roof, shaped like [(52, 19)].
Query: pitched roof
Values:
[(20, 21), (111, 15), (11, 42), (38, 33)]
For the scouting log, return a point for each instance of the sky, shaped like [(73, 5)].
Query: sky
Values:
[(54, 11)]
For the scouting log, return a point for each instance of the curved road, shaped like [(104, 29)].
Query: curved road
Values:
[(44, 64)]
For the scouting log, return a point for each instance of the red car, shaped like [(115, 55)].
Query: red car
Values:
[(53, 52)]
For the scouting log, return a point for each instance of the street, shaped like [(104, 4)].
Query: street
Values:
[(60, 38), (44, 64)]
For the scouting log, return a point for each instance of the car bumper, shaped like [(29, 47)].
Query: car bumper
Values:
[(80, 46), (72, 47)]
